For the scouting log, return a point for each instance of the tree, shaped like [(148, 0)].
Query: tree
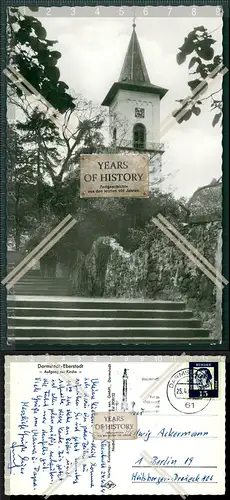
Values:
[(83, 137), (53, 153), (54, 150), (199, 45), (21, 176), (32, 54), (41, 139), (53, 158)]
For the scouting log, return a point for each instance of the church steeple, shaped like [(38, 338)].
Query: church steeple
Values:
[(134, 75), (134, 69), (134, 105)]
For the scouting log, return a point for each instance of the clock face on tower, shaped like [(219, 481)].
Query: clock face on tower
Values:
[(139, 113)]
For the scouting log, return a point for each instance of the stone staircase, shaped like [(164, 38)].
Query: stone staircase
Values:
[(69, 320), (42, 311), (32, 283)]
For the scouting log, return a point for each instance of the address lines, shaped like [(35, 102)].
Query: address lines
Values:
[(113, 11)]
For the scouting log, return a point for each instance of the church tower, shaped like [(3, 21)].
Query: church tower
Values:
[(134, 105)]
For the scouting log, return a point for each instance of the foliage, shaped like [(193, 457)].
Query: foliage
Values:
[(199, 44), (32, 154), (207, 201), (55, 152), (147, 264), (168, 266), (42, 144), (52, 154), (119, 218), (21, 177), (108, 271), (126, 273), (55, 195), (42, 230), (32, 54), (156, 270)]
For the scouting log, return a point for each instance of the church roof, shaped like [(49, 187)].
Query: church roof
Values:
[(145, 87), (134, 69), (134, 75)]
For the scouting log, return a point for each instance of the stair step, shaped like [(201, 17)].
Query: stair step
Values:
[(103, 322), (86, 303), (31, 278), (115, 313), (105, 332), (39, 289), (55, 292), (52, 318), (41, 283), (42, 342), (44, 287), (32, 290), (33, 273)]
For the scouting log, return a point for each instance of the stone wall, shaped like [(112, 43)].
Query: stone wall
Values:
[(109, 271), (169, 268), (173, 276), (156, 270), (126, 273)]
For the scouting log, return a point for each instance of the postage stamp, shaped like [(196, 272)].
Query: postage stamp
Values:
[(179, 396), (203, 380)]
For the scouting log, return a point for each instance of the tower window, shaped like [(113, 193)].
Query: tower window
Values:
[(139, 136), (114, 135)]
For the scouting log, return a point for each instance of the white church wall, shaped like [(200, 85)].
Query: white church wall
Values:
[(122, 116)]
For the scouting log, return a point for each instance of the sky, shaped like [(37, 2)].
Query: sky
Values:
[(93, 50)]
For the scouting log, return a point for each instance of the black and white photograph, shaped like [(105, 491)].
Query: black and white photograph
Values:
[(114, 175)]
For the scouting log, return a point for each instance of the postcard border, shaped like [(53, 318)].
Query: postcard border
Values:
[(225, 192), (32, 357)]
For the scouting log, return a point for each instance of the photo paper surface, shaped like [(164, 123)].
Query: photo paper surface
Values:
[(114, 169)]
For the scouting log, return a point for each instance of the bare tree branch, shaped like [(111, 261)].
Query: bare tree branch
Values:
[(208, 97)]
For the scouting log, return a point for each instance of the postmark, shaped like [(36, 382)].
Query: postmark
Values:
[(178, 394), (115, 425), (203, 380)]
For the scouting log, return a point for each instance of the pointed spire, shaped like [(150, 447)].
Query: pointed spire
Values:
[(134, 21), (134, 75), (134, 69)]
